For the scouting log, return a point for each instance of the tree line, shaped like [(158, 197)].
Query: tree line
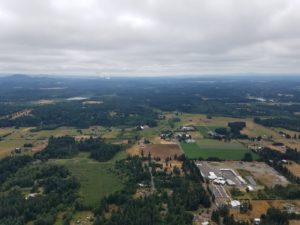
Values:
[(66, 147)]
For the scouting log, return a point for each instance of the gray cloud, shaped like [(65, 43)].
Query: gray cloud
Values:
[(149, 37)]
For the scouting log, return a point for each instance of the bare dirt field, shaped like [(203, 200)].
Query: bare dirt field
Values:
[(40, 146), (293, 144), (294, 168), (162, 150), (294, 222), (158, 140), (259, 207), (252, 129), (293, 205), (134, 150)]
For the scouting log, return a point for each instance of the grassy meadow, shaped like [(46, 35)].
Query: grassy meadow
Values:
[(97, 179)]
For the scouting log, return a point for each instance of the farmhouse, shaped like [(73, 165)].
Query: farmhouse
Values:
[(18, 150), (257, 221), (166, 135), (185, 138), (235, 203)]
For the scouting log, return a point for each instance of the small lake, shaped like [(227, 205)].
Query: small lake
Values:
[(77, 98)]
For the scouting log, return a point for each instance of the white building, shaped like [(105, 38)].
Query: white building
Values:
[(219, 180), (250, 188), (212, 176), (241, 180), (230, 182), (257, 221), (235, 203)]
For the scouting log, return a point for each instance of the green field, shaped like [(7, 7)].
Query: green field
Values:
[(205, 129), (213, 148), (97, 179)]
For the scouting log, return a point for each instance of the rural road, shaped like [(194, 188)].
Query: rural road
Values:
[(153, 189)]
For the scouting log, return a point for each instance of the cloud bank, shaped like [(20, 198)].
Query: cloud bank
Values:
[(149, 37)]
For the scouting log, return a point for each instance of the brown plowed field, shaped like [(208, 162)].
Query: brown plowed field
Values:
[(162, 150)]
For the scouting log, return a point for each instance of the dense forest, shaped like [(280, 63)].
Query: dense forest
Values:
[(133, 102), (48, 187), (66, 147), (291, 123)]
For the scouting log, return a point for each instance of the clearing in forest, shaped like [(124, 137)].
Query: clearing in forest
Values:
[(97, 179)]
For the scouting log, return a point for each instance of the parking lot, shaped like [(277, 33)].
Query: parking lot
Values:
[(252, 173), (221, 196), (224, 175)]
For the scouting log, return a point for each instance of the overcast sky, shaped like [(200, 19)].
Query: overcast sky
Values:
[(149, 37)]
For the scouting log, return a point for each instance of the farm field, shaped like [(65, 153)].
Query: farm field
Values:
[(294, 168), (253, 130), (97, 179), (152, 132), (202, 120), (260, 207), (15, 138), (204, 124), (162, 150), (294, 222), (213, 148), (205, 129)]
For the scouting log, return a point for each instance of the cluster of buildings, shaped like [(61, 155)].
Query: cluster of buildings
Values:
[(226, 176), (219, 178)]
